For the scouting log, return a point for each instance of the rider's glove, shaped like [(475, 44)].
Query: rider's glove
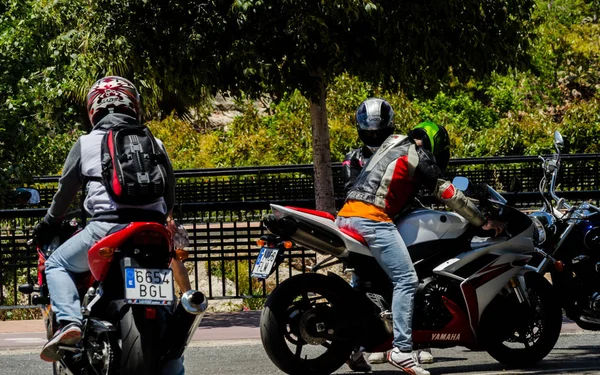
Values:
[(44, 232)]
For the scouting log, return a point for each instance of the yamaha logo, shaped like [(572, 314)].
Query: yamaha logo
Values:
[(445, 337)]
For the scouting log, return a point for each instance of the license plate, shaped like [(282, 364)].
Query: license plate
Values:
[(264, 262), (148, 286)]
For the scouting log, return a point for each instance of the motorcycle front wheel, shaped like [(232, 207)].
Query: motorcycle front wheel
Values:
[(298, 322), (522, 334)]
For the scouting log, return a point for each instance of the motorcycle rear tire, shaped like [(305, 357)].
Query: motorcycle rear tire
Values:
[(274, 319), (139, 350), (551, 327)]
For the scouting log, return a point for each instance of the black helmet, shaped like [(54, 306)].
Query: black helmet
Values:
[(435, 139), (374, 121)]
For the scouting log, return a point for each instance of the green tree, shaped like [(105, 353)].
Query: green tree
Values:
[(38, 121), (291, 44)]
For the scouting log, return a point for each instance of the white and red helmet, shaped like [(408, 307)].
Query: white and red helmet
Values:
[(112, 94)]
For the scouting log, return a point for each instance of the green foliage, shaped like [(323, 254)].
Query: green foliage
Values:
[(177, 53), (237, 270), (281, 138), (187, 147), (581, 127), (52, 52)]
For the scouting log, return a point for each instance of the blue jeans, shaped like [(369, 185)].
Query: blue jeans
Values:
[(391, 253), (72, 257)]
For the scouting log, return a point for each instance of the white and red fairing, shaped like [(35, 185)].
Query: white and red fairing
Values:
[(424, 225)]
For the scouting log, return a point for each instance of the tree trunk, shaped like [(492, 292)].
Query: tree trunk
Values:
[(324, 196)]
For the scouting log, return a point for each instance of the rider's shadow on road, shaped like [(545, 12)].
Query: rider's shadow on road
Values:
[(249, 319)]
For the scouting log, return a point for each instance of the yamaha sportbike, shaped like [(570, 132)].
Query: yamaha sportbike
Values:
[(474, 290), (132, 322), (569, 243)]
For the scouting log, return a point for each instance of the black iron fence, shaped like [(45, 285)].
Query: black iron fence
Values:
[(222, 210)]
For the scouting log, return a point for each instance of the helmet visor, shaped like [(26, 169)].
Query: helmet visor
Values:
[(374, 138)]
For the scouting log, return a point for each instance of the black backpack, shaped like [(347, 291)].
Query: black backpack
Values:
[(133, 165)]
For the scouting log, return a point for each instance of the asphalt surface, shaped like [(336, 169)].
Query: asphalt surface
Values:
[(229, 344)]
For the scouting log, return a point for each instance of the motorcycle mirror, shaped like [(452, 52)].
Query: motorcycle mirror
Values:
[(461, 183), (558, 139), (26, 196)]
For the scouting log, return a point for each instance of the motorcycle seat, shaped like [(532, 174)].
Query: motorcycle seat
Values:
[(354, 235), (116, 228), (324, 214)]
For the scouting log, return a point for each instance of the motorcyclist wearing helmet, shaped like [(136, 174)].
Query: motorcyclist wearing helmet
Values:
[(374, 123), (382, 190), (111, 101)]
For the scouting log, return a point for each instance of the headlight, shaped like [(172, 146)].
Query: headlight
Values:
[(542, 221)]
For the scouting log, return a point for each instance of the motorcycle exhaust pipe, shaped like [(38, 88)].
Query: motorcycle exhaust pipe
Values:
[(186, 318)]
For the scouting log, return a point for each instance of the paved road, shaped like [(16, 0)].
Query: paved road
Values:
[(229, 344), (574, 354)]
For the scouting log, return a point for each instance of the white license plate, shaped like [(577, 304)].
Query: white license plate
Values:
[(148, 286), (264, 262)]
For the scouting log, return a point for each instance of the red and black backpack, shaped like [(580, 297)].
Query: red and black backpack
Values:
[(133, 165)]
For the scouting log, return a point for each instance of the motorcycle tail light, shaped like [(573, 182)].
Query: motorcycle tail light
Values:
[(148, 238)]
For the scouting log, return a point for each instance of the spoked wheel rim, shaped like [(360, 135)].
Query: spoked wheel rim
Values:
[(305, 326), (308, 315), (523, 333), (101, 355), (529, 332)]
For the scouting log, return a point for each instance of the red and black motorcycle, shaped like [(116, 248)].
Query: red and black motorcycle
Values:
[(132, 321)]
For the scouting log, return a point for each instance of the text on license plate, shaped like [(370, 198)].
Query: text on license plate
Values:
[(148, 286), (264, 262)]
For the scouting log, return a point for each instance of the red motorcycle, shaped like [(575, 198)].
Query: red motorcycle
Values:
[(132, 322)]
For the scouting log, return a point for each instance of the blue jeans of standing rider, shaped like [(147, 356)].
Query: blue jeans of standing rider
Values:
[(391, 253), (72, 257)]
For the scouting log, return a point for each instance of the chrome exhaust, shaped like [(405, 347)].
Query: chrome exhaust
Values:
[(187, 317)]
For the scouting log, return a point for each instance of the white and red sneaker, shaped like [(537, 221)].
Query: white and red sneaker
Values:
[(69, 335), (405, 362)]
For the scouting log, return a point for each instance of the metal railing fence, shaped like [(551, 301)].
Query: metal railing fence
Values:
[(222, 211)]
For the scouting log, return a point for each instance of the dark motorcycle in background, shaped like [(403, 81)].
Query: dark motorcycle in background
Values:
[(569, 242), (132, 322)]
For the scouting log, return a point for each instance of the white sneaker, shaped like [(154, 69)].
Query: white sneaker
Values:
[(405, 362), (425, 356), (378, 357)]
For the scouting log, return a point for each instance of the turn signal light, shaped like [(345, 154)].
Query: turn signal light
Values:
[(261, 243), (181, 254), (106, 252), (559, 266), (288, 244)]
